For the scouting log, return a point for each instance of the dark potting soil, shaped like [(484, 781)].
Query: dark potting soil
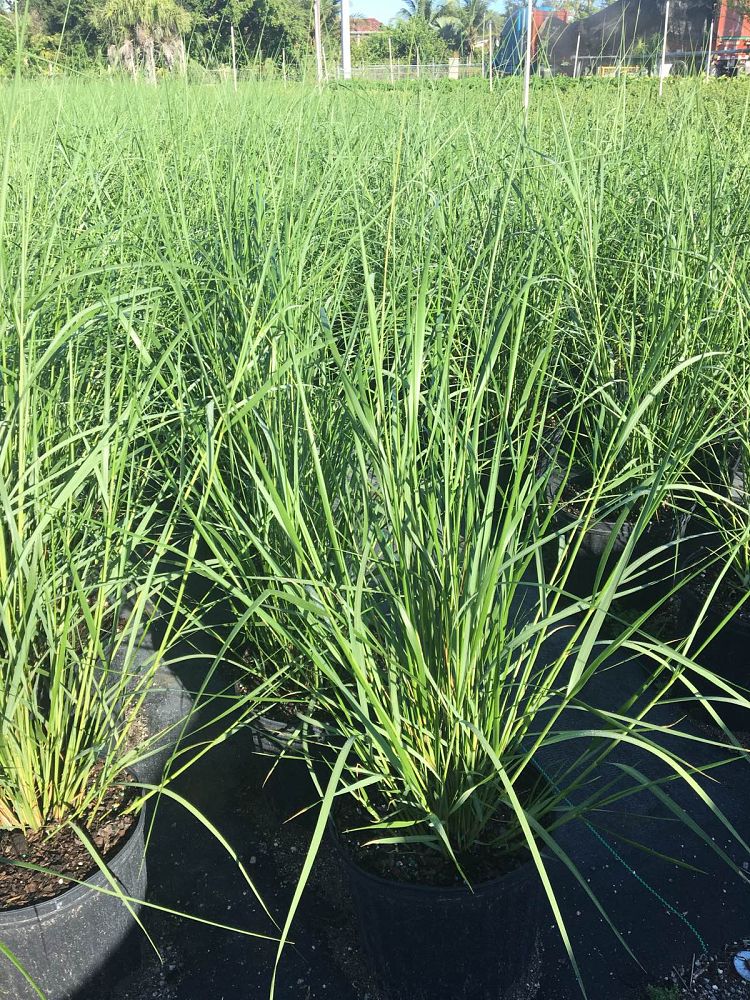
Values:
[(249, 677), (287, 713), (727, 596), (573, 496), (61, 852), (418, 863), (661, 623)]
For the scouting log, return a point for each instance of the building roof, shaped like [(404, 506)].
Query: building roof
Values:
[(365, 25)]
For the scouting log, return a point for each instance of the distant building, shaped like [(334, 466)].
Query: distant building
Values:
[(631, 31), (625, 33), (361, 27)]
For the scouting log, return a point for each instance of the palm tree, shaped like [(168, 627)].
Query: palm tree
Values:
[(431, 12), (465, 21), (138, 28)]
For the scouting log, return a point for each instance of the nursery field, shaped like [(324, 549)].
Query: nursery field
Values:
[(374, 540)]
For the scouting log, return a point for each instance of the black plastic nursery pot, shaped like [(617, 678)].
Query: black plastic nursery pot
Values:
[(450, 942), (166, 707), (166, 710), (602, 542), (717, 466), (287, 782), (66, 942), (727, 654)]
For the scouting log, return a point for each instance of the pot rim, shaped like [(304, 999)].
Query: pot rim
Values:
[(521, 873), (689, 591), (672, 524)]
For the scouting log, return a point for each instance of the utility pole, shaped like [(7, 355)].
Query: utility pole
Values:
[(346, 46), (234, 59), (490, 55), (318, 43), (710, 46), (663, 50), (527, 64)]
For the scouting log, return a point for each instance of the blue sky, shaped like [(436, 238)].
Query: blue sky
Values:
[(383, 10)]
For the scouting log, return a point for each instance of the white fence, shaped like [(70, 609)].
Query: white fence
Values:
[(391, 72)]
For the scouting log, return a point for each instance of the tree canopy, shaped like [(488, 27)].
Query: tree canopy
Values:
[(430, 11), (154, 36), (407, 38)]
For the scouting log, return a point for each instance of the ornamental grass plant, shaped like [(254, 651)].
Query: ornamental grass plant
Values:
[(80, 543), (80, 550)]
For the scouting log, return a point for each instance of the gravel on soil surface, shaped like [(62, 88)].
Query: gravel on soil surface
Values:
[(710, 977)]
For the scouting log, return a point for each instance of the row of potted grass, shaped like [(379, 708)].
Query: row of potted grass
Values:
[(413, 608)]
